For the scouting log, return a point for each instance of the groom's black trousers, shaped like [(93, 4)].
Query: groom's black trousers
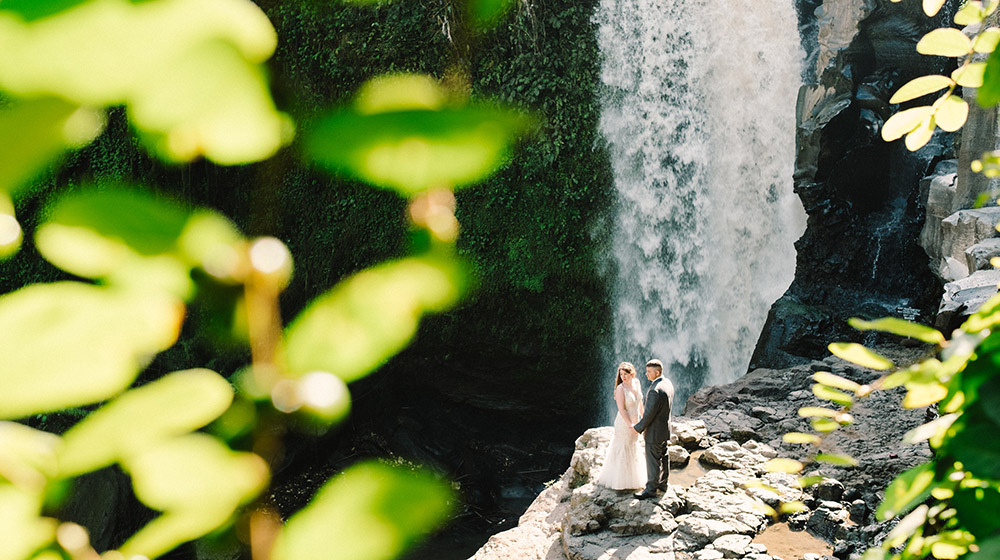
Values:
[(657, 466)]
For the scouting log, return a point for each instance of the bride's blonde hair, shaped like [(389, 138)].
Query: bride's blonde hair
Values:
[(627, 366)]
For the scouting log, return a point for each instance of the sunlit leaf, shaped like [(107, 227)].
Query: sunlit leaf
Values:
[(413, 151), (204, 52), (837, 459), (923, 393), (11, 233), (951, 113), (399, 92), (33, 133), (899, 327), (970, 13), (824, 425), (831, 394), (209, 102), (175, 404), (876, 553), (810, 411), (368, 512), (799, 437), (946, 41), (836, 381), (858, 354), (927, 431), (906, 526), (22, 531), (807, 481), (486, 12), (988, 94), (919, 87), (27, 456), (921, 135), (969, 75), (92, 233), (931, 7), (198, 482), (791, 508), (987, 40), (764, 509), (904, 121), (906, 490), (70, 344), (366, 319), (782, 465)]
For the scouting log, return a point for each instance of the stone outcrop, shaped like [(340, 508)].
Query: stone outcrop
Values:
[(730, 431)]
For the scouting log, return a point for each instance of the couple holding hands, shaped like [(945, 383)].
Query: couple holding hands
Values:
[(622, 468)]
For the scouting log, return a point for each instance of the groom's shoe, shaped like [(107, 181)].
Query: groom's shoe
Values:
[(643, 495)]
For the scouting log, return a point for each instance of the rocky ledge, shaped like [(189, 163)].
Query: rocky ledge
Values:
[(712, 509)]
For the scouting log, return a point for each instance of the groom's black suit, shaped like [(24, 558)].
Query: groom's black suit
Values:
[(656, 425)]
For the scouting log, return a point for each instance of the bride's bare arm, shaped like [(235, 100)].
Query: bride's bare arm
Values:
[(620, 401)]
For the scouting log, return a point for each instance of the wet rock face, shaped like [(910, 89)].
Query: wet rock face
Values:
[(859, 255)]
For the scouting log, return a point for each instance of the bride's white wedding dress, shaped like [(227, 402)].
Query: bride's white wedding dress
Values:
[(625, 466)]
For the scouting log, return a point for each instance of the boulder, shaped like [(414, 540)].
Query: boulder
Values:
[(978, 256), (732, 546), (964, 297), (965, 228), (689, 432)]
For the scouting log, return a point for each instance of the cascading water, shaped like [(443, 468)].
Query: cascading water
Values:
[(698, 110)]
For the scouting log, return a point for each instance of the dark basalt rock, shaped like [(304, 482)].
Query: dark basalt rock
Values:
[(859, 255)]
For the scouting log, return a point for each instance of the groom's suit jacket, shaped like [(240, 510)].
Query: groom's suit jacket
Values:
[(656, 416)]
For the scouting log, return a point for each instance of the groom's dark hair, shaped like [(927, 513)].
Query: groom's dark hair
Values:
[(655, 364)]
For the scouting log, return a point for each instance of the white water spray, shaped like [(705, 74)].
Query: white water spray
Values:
[(698, 109)]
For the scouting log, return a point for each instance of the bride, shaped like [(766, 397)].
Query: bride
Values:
[(624, 468)]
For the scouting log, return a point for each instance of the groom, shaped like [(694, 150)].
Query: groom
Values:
[(656, 423)]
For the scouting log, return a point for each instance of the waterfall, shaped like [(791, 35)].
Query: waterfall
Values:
[(698, 112)]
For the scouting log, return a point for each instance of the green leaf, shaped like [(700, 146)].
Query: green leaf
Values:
[(932, 429), (931, 7), (904, 122), (919, 87), (831, 394), (988, 550), (414, 151), (969, 75), (791, 508), (952, 113), (860, 355), (836, 381), (30, 10), (973, 12), (368, 512), (899, 327), (11, 234), (206, 95), (923, 393), (824, 425), (211, 102), (33, 133), (368, 318), (92, 233), (921, 135), (798, 437), (486, 13), (986, 41), (807, 481), (989, 93), (782, 465), (906, 527), (906, 490), (198, 482), (69, 344), (27, 456), (837, 459), (21, 527), (175, 404), (810, 411), (976, 509), (946, 41)]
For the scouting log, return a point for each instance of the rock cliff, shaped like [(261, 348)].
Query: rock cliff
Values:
[(859, 255), (712, 508)]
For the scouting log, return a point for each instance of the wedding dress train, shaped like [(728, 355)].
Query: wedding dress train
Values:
[(625, 465)]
